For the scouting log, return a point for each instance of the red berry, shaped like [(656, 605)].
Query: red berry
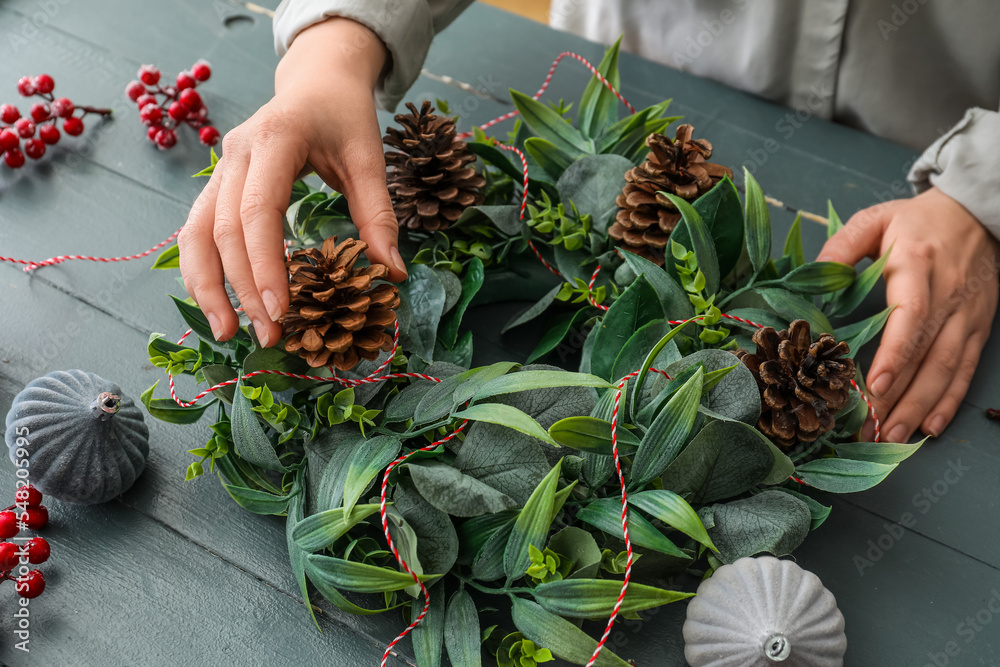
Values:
[(26, 86), (37, 550), (134, 90), (208, 135), (28, 495), (201, 70), (25, 128), (166, 138), (9, 556), (73, 126), (35, 518), (145, 99), (191, 99), (178, 111), (9, 113), (153, 131), (151, 114), (34, 148), (185, 80), (44, 84), (15, 160), (8, 521), (149, 74), (63, 108), (40, 111), (30, 585), (8, 140)]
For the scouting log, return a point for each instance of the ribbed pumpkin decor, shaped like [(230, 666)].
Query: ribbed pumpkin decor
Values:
[(86, 442), (764, 612)]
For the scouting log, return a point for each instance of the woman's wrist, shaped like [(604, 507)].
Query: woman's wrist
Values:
[(337, 48)]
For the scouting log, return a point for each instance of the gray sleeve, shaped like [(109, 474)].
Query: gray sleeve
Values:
[(964, 163), (405, 26)]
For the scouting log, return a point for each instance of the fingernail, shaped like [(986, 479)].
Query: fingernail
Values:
[(899, 433), (880, 387), (937, 425), (272, 305), (213, 322), (261, 330), (397, 261)]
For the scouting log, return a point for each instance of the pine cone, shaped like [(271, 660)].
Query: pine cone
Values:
[(431, 180), (679, 167), (803, 384), (336, 316)]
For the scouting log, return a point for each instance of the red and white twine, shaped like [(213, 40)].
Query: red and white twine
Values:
[(377, 376)]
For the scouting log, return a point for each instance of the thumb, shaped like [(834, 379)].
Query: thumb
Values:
[(861, 237)]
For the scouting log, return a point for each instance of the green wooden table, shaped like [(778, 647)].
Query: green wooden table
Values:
[(174, 573)]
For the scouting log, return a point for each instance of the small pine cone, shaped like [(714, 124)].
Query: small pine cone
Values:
[(336, 316), (803, 384), (431, 178), (679, 167)]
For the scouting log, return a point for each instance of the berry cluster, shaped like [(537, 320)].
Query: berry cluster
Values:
[(34, 516), (41, 121), (181, 103)]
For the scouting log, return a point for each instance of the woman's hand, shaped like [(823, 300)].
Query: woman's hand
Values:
[(942, 278), (321, 118)]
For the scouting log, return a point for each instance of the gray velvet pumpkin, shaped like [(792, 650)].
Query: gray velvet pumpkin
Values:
[(86, 441), (764, 612)]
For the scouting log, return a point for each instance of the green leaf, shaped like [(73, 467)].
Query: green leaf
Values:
[(165, 409), (258, 502), (598, 104), (505, 217), (527, 380), (488, 563), (507, 460), (590, 434), (367, 461), (505, 415), (758, 224), (858, 334), (252, 443), (318, 531), (422, 300), (634, 352), (668, 432), (877, 452), (834, 225), (428, 637), (725, 459), (596, 598), (648, 363), (168, 259), (818, 512), (793, 244), (695, 232), (555, 334), (781, 469), (676, 305), (458, 494), (548, 156), (606, 515), (794, 307), (199, 324), (358, 577), (296, 557), (637, 305), (536, 309), (547, 124), (851, 298), (342, 448), (592, 183), (437, 539), (470, 387), (461, 631), (736, 396), (816, 278), (580, 548), (532, 525), (560, 636), (275, 358), (843, 475), (674, 511), (440, 399), (771, 522), (471, 282), (722, 212)]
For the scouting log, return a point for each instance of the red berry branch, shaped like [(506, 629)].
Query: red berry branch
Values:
[(181, 104), (42, 120), (34, 516)]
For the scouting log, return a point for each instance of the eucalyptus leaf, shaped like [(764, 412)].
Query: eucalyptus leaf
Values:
[(736, 396), (722, 212), (471, 282), (579, 547), (697, 234), (461, 631), (769, 522), (458, 494), (504, 459), (422, 302), (637, 305), (676, 305), (437, 540), (843, 475), (592, 183)]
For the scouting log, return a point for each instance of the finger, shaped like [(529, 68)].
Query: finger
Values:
[(274, 162), (371, 208), (942, 414), (861, 237), (201, 267), (229, 239), (908, 333), (931, 381)]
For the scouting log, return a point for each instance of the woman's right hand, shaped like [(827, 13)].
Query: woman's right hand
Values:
[(321, 118)]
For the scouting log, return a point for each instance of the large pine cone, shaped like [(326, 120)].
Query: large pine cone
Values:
[(803, 384), (431, 180), (336, 316), (679, 167)]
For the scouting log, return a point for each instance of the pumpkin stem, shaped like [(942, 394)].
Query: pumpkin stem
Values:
[(106, 405)]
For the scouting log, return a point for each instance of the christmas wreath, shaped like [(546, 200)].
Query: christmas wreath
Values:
[(709, 390)]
